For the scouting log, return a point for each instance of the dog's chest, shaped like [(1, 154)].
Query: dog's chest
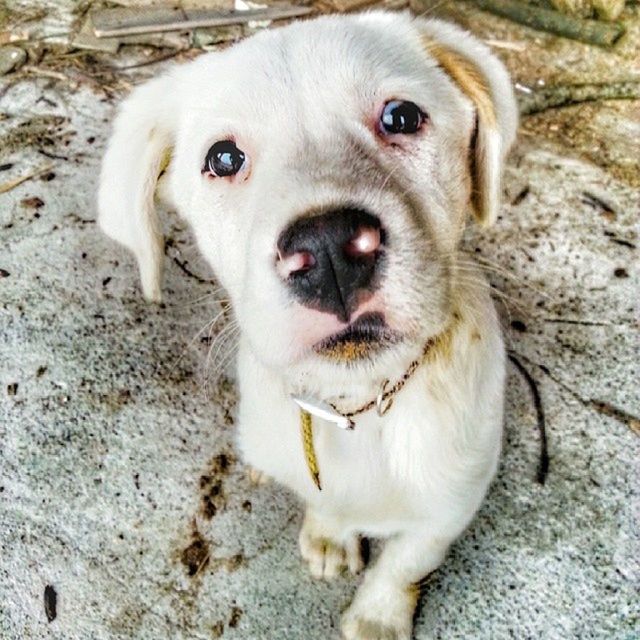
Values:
[(356, 474), (436, 447), (384, 471)]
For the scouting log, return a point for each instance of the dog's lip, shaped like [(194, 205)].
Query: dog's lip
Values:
[(368, 328)]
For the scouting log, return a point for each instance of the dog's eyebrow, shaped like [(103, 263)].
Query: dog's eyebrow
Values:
[(467, 77)]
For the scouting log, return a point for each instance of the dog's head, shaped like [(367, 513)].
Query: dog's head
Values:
[(327, 170)]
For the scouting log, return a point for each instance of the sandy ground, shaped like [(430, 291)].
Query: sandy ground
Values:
[(120, 491)]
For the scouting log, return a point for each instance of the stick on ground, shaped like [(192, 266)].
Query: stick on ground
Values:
[(543, 464), (536, 100), (604, 34), (12, 184)]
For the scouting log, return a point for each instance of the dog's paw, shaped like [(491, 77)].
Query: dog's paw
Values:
[(378, 617), (364, 629), (326, 557)]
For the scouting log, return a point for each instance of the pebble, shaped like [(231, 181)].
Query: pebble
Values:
[(11, 59)]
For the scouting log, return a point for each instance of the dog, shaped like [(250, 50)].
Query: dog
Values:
[(328, 169)]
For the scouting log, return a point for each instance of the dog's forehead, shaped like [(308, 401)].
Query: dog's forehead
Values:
[(315, 62)]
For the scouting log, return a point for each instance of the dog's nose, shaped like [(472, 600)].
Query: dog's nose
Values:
[(330, 261)]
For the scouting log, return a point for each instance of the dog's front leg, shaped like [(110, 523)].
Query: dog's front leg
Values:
[(328, 547), (384, 604)]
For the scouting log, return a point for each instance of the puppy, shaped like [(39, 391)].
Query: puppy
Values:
[(327, 170)]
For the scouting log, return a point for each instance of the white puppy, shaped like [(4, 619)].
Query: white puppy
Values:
[(327, 170)]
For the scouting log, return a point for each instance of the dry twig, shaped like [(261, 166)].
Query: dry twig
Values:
[(589, 31), (12, 184), (543, 464), (532, 101)]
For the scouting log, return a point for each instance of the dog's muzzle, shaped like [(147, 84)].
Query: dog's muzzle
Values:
[(332, 262)]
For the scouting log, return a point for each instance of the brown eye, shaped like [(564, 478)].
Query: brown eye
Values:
[(224, 159), (401, 117)]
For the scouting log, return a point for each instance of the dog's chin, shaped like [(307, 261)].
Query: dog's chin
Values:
[(360, 342)]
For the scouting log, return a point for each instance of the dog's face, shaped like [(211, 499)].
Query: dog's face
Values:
[(327, 169)]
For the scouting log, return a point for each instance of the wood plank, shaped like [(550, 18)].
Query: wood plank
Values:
[(108, 23)]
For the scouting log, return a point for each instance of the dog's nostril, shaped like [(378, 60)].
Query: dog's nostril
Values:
[(364, 242), (297, 262)]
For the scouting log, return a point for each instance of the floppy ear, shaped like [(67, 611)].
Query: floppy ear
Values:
[(137, 153), (484, 80)]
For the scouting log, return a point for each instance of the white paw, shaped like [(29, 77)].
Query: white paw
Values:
[(327, 558), (376, 616)]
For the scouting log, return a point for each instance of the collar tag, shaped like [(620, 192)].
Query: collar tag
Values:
[(323, 410)]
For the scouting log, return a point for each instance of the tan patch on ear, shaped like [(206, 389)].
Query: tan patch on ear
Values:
[(467, 76), (470, 80)]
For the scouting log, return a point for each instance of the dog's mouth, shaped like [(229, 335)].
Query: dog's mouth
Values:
[(368, 335)]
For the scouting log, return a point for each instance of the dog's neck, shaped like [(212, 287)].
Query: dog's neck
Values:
[(350, 389)]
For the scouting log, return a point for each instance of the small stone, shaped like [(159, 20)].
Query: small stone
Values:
[(11, 59), (234, 617), (32, 203), (50, 603)]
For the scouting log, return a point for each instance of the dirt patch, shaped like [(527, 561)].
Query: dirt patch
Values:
[(217, 631), (196, 556), (213, 500), (43, 133), (213, 495), (605, 134), (234, 617)]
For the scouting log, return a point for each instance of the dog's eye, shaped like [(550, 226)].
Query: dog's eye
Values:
[(401, 117), (224, 159)]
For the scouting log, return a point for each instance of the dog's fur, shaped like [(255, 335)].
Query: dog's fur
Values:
[(303, 102)]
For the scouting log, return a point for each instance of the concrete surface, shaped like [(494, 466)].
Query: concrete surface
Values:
[(120, 490)]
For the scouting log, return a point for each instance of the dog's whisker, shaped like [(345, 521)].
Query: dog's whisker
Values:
[(214, 322), (207, 298), (219, 341), (490, 266), (495, 291), (230, 351), (482, 263), (191, 342), (210, 325), (501, 275), (225, 352), (213, 368), (217, 344)]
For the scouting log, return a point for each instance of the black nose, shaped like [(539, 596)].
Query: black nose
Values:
[(331, 261)]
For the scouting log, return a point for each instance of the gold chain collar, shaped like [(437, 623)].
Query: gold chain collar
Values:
[(310, 407)]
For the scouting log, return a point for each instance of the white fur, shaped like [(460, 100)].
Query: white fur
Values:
[(301, 102)]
